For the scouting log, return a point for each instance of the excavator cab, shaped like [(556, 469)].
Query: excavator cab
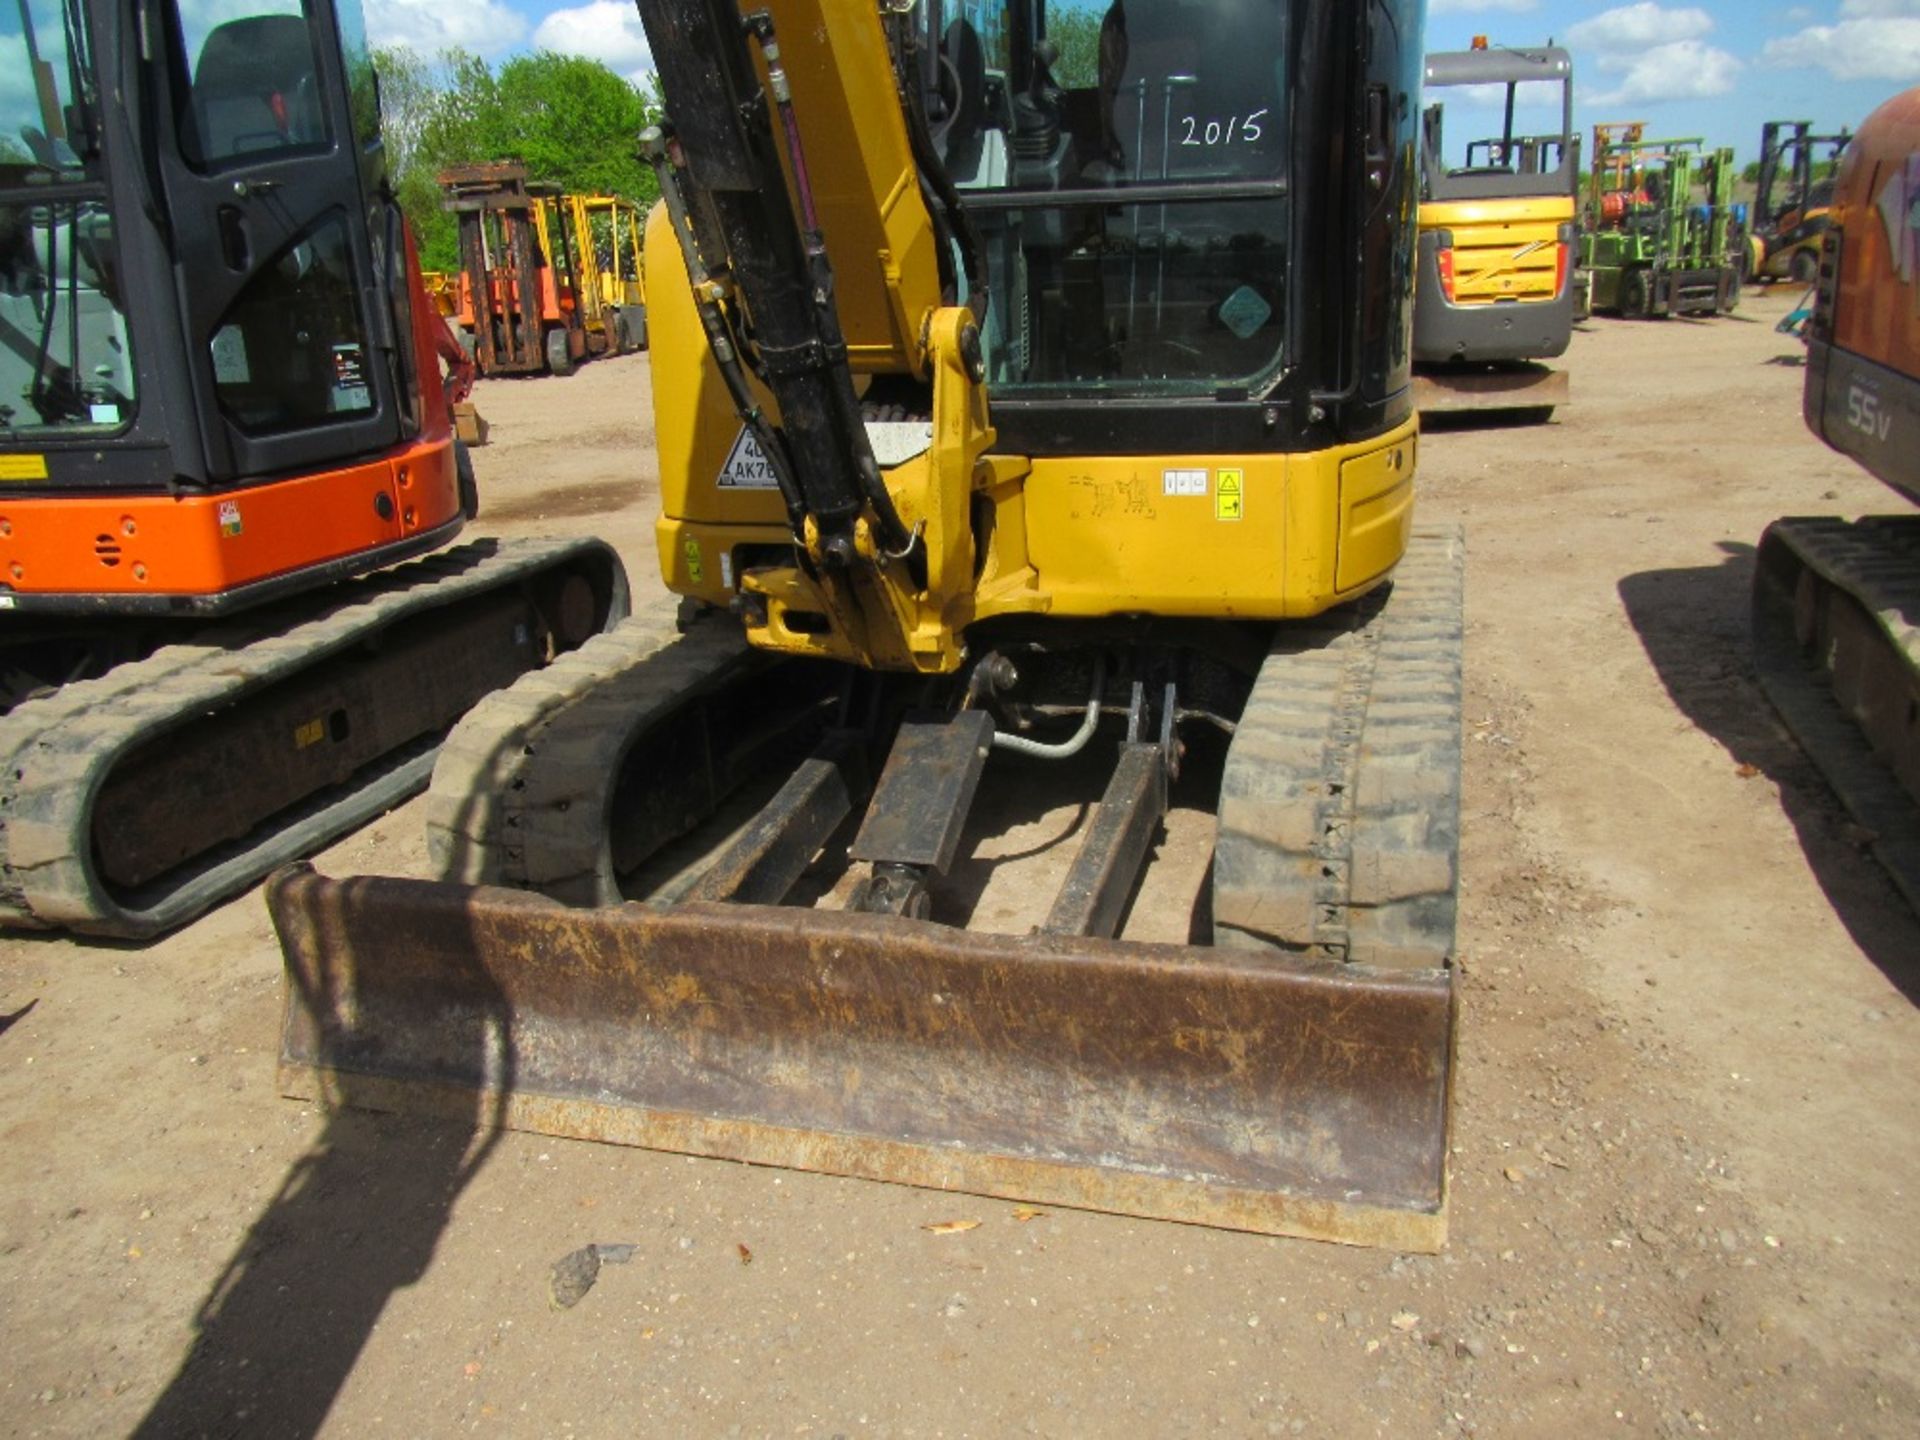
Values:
[(1126, 170), (204, 290)]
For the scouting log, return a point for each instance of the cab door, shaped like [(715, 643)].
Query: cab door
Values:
[(271, 174)]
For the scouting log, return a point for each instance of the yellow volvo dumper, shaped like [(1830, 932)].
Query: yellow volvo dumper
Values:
[(1034, 407), (1496, 271)]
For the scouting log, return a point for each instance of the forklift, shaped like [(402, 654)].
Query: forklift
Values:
[(1659, 227), (1784, 239), (523, 303)]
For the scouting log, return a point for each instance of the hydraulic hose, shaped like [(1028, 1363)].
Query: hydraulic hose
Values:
[(944, 205), (1076, 742)]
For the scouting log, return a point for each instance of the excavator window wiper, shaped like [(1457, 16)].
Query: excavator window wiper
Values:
[(50, 127), (83, 134)]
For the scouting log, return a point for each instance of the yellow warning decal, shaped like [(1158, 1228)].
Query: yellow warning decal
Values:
[(23, 467), (311, 733), (1227, 495), (695, 570)]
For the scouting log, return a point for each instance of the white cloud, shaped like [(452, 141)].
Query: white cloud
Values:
[(607, 30), (1877, 46), (1638, 27), (1653, 54), (1683, 70), (1473, 7), (485, 27)]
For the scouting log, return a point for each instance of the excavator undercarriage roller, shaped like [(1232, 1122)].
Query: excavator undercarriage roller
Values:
[(1838, 653), (132, 802)]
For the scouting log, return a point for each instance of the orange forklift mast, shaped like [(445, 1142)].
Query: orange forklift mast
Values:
[(520, 306)]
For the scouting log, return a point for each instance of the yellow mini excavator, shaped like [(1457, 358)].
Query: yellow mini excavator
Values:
[(1032, 385)]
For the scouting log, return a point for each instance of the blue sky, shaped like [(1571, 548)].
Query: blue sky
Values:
[(1716, 68)]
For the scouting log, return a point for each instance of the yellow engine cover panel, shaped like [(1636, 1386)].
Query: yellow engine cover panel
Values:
[(1376, 514), (1256, 537), (1502, 249)]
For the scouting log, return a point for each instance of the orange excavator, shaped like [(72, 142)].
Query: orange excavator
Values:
[(222, 423), (1836, 601)]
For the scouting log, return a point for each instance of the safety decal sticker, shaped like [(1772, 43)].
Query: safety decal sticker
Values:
[(229, 350), (350, 388), (23, 467), (1245, 311), (696, 571), (1900, 211), (230, 525), (747, 466), (1227, 496), (1183, 482)]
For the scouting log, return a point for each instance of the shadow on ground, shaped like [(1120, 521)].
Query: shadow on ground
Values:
[(1514, 417), (1693, 624), (355, 1219)]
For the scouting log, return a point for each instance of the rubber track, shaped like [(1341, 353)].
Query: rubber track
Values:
[(56, 750), (521, 794), (1876, 561), (1339, 816)]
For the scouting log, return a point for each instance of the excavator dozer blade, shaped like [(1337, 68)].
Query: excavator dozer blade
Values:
[(1215, 1086)]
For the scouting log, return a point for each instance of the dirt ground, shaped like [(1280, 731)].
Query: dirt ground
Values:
[(1681, 1181)]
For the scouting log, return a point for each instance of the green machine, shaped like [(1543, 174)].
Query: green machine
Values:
[(1660, 236)]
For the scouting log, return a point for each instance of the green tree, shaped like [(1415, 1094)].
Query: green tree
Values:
[(1075, 36), (569, 120), (573, 121), (409, 89)]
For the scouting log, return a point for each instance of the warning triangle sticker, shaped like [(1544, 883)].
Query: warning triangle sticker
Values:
[(747, 467)]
